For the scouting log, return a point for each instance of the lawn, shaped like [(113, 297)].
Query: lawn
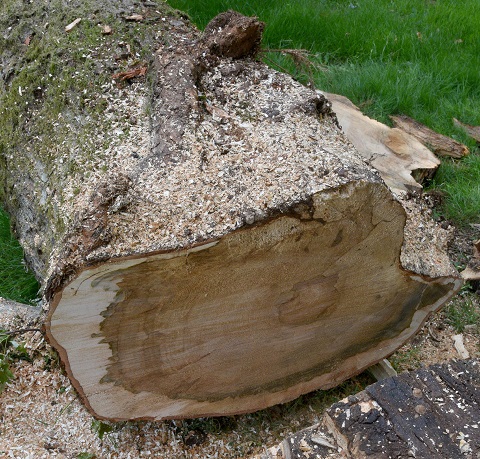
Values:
[(16, 283)]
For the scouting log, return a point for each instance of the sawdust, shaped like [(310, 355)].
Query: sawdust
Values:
[(41, 416)]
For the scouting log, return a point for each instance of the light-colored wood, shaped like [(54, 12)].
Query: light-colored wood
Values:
[(253, 319), (382, 370), (440, 144), (460, 346), (401, 159)]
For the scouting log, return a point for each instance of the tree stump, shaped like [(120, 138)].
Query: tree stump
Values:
[(227, 252)]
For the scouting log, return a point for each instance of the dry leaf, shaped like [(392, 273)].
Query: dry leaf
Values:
[(129, 74), (106, 30), (28, 40)]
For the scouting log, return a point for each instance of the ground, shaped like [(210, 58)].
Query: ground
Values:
[(42, 416)]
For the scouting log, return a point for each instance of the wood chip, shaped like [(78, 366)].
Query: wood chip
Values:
[(322, 441), (470, 274), (382, 370), (72, 25), (304, 446), (135, 17), (106, 30), (460, 347)]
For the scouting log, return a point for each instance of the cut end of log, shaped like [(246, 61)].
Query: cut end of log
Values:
[(228, 251), (255, 318)]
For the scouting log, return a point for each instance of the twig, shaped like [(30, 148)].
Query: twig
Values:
[(129, 74), (20, 331), (283, 69), (301, 59)]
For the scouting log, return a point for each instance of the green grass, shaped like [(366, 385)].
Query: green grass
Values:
[(16, 283), (462, 312), (461, 183), (391, 57)]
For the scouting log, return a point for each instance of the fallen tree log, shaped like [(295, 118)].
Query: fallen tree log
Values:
[(227, 252), (440, 144), (472, 131), (432, 412)]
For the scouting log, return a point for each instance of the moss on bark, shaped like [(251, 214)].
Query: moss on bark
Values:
[(51, 103)]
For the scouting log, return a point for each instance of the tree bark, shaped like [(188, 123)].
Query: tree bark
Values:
[(431, 412), (440, 144), (472, 131), (211, 243)]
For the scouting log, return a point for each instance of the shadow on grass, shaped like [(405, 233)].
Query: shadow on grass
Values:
[(16, 282)]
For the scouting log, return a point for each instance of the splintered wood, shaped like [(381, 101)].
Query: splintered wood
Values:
[(401, 159)]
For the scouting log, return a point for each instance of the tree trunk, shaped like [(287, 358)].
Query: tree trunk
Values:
[(210, 243)]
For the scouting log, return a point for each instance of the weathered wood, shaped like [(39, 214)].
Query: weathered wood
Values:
[(228, 252), (472, 131), (472, 271), (382, 370), (429, 413), (440, 144), (403, 162)]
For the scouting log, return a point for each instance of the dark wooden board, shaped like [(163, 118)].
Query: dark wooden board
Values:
[(430, 413)]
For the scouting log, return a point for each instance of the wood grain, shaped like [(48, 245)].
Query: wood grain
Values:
[(402, 160), (255, 318)]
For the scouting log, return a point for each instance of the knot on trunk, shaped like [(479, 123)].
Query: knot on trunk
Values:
[(230, 34)]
